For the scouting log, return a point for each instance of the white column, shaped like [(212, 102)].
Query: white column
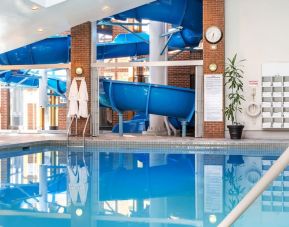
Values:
[(43, 97), (199, 186), (158, 206), (16, 97), (43, 188), (199, 100), (158, 75), (94, 84), (97, 207)]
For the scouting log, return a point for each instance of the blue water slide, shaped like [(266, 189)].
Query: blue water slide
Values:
[(54, 50), (26, 78), (138, 124), (19, 76), (56, 85), (150, 99), (185, 13), (124, 45)]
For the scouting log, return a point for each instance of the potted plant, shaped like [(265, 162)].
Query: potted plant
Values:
[(234, 189), (233, 76)]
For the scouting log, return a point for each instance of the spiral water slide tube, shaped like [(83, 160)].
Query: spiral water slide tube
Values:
[(28, 79), (180, 13), (150, 99), (187, 14)]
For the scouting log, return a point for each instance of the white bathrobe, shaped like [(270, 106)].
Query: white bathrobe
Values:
[(83, 184), (83, 99), (73, 98)]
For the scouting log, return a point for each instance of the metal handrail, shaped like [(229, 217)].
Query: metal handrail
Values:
[(83, 136), (276, 169), (84, 129), (68, 130)]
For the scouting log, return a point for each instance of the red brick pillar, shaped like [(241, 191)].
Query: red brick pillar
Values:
[(213, 14), (81, 57), (62, 114), (5, 108)]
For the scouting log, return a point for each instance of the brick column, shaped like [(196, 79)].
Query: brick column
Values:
[(81, 57), (62, 114), (5, 108), (213, 14)]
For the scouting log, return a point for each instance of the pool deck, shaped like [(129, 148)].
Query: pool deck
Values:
[(9, 140)]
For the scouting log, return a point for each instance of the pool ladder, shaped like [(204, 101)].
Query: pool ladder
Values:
[(83, 145)]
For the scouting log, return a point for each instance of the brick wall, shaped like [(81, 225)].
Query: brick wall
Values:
[(180, 76), (62, 114), (81, 57), (117, 30), (5, 108), (213, 14), (31, 116)]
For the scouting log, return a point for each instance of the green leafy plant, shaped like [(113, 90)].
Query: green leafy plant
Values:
[(235, 191), (233, 76)]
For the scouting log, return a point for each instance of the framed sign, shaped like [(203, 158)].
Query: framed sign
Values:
[(213, 188), (213, 97)]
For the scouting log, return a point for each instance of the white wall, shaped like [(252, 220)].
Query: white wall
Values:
[(258, 30)]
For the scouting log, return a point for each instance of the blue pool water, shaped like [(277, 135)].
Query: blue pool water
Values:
[(106, 187)]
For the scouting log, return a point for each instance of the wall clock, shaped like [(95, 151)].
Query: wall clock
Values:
[(213, 34)]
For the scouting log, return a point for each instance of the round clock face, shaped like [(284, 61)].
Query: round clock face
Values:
[(213, 34)]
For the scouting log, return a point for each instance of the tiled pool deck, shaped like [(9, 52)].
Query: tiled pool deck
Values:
[(225, 146)]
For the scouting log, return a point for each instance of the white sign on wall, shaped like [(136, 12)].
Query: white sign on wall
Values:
[(213, 97), (213, 188)]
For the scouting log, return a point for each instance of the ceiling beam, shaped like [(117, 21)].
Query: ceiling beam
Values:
[(147, 64), (40, 66)]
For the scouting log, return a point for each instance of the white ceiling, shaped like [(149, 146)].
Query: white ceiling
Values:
[(19, 23)]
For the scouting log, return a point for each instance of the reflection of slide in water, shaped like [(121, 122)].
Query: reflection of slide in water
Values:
[(18, 193), (172, 179)]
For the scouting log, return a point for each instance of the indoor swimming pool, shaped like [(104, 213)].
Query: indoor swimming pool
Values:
[(138, 187)]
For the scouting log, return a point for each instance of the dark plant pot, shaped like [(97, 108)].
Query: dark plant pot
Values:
[(236, 160), (235, 131)]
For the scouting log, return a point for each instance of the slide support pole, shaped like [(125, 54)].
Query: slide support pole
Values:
[(184, 128), (120, 123)]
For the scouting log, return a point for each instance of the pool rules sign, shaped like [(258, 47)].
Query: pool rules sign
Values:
[(213, 97)]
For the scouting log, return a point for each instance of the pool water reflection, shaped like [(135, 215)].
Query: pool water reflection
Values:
[(136, 189)]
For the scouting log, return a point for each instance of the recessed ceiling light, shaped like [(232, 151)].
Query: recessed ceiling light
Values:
[(105, 8), (34, 7), (40, 29)]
